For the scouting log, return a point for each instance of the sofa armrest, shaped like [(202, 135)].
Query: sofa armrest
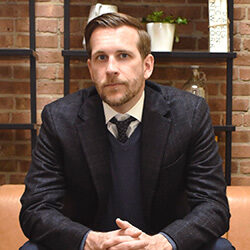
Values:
[(11, 235)]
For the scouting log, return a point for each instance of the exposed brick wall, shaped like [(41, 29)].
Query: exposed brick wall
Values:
[(14, 73)]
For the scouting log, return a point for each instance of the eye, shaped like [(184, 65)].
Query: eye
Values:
[(101, 57), (123, 55)]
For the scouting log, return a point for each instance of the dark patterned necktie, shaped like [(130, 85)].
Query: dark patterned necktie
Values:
[(122, 127)]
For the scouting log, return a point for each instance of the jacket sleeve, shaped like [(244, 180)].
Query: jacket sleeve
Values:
[(41, 216), (205, 188)]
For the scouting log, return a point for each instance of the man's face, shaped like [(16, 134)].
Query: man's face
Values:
[(117, 68)]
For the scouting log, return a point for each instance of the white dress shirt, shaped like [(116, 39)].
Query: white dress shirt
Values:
[(135, 112)]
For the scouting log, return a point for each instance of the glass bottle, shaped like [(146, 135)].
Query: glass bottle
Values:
[(197, 83)]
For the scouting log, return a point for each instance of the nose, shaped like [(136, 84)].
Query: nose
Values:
[(112, 67)]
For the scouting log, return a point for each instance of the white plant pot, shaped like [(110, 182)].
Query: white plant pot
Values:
[(162, 36)]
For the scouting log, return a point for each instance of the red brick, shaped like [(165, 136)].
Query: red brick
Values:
[(75, 26), (80, 11), (22, 41), (6, 135), (6, 41), (240, 104), (234, 167), (215, 73), (17, 178), (42, 101), (246, 44), (246, 120), (23, 150), (3, 179), (47, 25), (240, 151), (50, 88), (23, 135), (242, 59), (4, 118), (239, 13), (245, 167), (202, 27), (241, 89), (6, 25), (237, 43), (60, 72), (244, 28), (76, 41), (185, 43), (237, 119), (46, 41), (240, 180), (5, 72), (61, 25), (6, 103), (241, 136), (244, 74), (14, 87), (22, 117), (46, 72), (79, 72), (241, 1), (216, 119), (21, 72), (22, 25), (217, 104), (7, 10), (8, 166), (54, 56), (213, 89), (22, 103), (24, 166), (49, 10), (203, 43), (21, 10), (7, 150)]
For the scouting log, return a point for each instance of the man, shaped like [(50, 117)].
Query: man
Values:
[(159, 171)]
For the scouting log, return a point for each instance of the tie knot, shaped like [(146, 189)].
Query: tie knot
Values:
[(122, 127)]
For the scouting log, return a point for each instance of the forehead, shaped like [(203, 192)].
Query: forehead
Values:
[(120, 38)]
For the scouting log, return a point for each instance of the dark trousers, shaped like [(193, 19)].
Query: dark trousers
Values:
[(219, 244)]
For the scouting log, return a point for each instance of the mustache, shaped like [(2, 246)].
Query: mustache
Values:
[(107, 83)]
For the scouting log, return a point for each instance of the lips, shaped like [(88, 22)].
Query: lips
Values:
[(113, 84)]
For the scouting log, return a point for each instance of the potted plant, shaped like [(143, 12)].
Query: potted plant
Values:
[(161, 29)]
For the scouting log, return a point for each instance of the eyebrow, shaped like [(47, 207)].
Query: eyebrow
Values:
[(118, 51)]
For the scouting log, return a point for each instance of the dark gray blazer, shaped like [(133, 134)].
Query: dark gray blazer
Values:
[(182, 183)]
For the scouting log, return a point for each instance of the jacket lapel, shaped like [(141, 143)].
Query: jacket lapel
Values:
[(93, 135), (156, 123)]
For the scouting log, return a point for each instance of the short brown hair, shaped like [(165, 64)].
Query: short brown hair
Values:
[(114, 20)]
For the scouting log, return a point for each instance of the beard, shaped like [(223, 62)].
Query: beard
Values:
[(122, 94)]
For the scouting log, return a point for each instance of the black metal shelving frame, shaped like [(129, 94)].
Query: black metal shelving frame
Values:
[(32, 55), (228, 128)]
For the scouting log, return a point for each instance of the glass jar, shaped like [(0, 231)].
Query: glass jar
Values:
[(197, 83)]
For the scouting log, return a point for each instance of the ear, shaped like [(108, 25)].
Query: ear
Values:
[(90, 68), (148, 66)]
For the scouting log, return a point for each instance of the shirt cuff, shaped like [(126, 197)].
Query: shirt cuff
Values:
[(84, 240), (170, 240)]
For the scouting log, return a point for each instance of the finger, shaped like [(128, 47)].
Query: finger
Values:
[(116, 240), (128, 228), (133, 245), (123, 224)]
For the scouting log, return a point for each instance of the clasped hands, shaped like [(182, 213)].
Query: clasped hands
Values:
[(127, 237)]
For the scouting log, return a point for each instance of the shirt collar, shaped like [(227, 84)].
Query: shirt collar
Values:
[(135, 111)]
